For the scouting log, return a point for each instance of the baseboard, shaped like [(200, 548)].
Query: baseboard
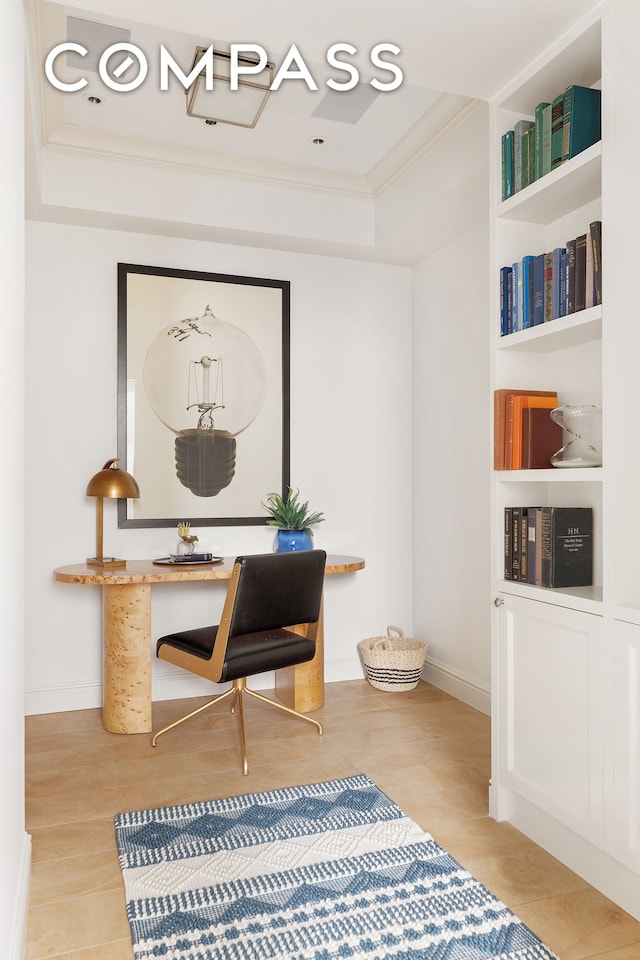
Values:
[(458, 684), (608, 875), (85, 696), (175, 686), (18, 937), (170, 686), (181, 685), (337, 670)]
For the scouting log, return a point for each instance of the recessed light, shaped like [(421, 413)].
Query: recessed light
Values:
[(318, 141), (211, 123), (94, 100)]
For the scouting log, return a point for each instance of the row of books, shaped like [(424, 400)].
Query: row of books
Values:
[(549, 546), (560, 130), (524, 435), (543, 287)]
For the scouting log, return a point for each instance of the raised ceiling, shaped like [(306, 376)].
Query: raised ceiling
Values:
[(458, 47), (452, 53)]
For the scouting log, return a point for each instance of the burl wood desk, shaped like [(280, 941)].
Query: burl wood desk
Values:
[(126, 595)]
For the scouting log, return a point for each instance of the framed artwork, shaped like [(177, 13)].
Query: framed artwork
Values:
[(203, 395)]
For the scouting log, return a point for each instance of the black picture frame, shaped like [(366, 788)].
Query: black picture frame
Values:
[(207, 439)]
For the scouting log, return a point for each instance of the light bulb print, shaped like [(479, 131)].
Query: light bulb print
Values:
[(206, 381)]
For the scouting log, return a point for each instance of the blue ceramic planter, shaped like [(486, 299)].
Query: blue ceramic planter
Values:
[(288, 540)]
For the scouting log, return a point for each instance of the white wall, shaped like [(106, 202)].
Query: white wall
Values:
[(16, 847), (350, 446), (451, 467)]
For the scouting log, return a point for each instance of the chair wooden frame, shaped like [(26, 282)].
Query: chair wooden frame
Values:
[(212, 668)]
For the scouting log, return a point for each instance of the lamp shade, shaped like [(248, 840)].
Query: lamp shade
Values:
[(111, 481)]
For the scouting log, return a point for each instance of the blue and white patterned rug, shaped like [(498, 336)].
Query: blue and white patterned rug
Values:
[(322, 872)]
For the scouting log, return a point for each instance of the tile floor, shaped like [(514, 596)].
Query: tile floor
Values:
[(428, 751)]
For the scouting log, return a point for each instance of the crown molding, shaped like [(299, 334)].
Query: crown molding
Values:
[(96, 143), (424, 136)]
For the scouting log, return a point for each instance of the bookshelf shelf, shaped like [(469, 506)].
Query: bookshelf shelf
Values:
[(584, 599), (577, 328), (572, 185), (552, 475)]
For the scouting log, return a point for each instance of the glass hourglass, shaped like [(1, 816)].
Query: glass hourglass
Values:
[(577, 419)]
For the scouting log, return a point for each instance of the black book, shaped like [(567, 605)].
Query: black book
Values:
[(581, 272), (557, 114), (508, 544), (523, 530), (567, 546), (515, 543), (531, 543), (595, 232)]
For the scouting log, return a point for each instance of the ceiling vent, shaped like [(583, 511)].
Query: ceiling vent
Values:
[(95, 38), (346, 106)]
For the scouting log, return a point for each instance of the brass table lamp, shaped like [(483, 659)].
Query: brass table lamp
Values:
[(111, 481)]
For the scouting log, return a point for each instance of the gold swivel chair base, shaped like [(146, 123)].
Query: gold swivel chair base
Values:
[(237, 691)]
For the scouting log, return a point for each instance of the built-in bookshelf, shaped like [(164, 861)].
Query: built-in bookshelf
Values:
[(566, 660), (562, 353)]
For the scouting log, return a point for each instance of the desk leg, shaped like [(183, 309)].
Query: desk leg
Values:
[(126, 696), (302, 687)]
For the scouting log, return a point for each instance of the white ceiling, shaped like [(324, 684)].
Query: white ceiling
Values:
[(452, 52)]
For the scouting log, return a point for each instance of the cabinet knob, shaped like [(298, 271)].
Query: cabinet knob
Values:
[(498, 602)]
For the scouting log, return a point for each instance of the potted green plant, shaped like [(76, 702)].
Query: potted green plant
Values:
[(293, 520)]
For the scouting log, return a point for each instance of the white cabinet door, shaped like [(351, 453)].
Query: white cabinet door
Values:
[(626, 837), (550, 711)]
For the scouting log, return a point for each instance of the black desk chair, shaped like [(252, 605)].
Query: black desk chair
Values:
[(268, 595)]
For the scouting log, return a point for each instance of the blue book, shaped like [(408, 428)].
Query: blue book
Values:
[(563, 283), (505, 301), (538, 290), (548, 285), (571, 276), (516, 292), (580, 120), (555, 281), (527, 292)]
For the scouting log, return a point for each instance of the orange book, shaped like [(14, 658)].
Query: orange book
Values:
[(502, 424), (519, 403)]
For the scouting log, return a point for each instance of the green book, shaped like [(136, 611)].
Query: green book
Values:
[(527, 149), (581, 120), (539, 138), (557, 114), (507, 164), (518, 162), (532, 155), (546, 139)]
